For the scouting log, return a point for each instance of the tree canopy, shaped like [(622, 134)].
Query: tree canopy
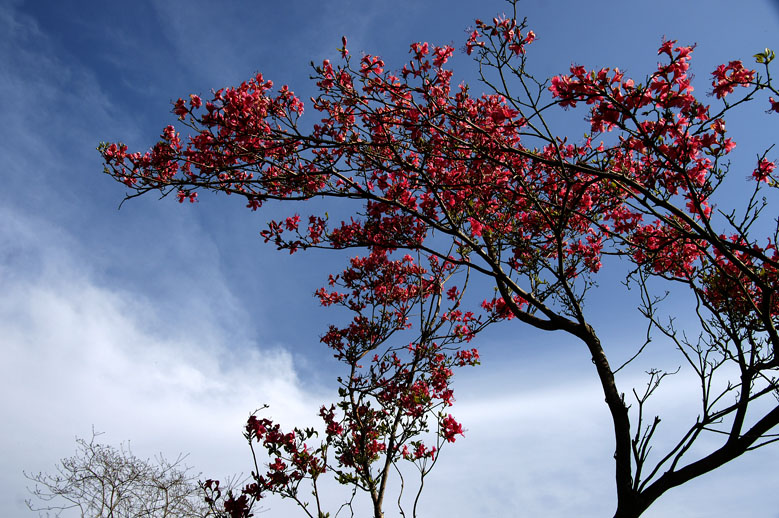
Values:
[(445, 186)]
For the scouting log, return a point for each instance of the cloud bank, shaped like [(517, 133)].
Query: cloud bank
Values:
[(79, 354)]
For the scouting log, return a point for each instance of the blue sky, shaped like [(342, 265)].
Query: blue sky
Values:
[(166, 325)]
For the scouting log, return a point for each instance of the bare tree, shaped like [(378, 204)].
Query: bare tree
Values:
[(103, 481)]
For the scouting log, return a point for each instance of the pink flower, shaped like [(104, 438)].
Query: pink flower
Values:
[(666, 48), (442, 55), (728, 76), (764, 169), (450, 428), (472, 42), (292, 222), (180, 108), (476, 227)]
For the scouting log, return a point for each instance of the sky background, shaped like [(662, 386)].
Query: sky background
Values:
[(165, 325)]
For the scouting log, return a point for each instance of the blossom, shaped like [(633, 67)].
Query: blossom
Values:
[(180, 108), (343, 50), (726, 77), (450, 428), (476, 227), (763, 170)]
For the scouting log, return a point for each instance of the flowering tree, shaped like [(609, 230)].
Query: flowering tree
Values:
[(447, 186)]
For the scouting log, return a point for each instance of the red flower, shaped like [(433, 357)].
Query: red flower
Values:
[(764, 169), (450, 428)]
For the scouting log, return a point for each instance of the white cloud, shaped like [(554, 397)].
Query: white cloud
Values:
[(78, 354), (535, 451), (539, 443)]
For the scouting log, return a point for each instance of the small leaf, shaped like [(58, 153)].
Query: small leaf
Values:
[(766, 56)]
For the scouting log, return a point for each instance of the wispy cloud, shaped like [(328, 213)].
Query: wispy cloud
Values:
[(539, 442), (78, 354)]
